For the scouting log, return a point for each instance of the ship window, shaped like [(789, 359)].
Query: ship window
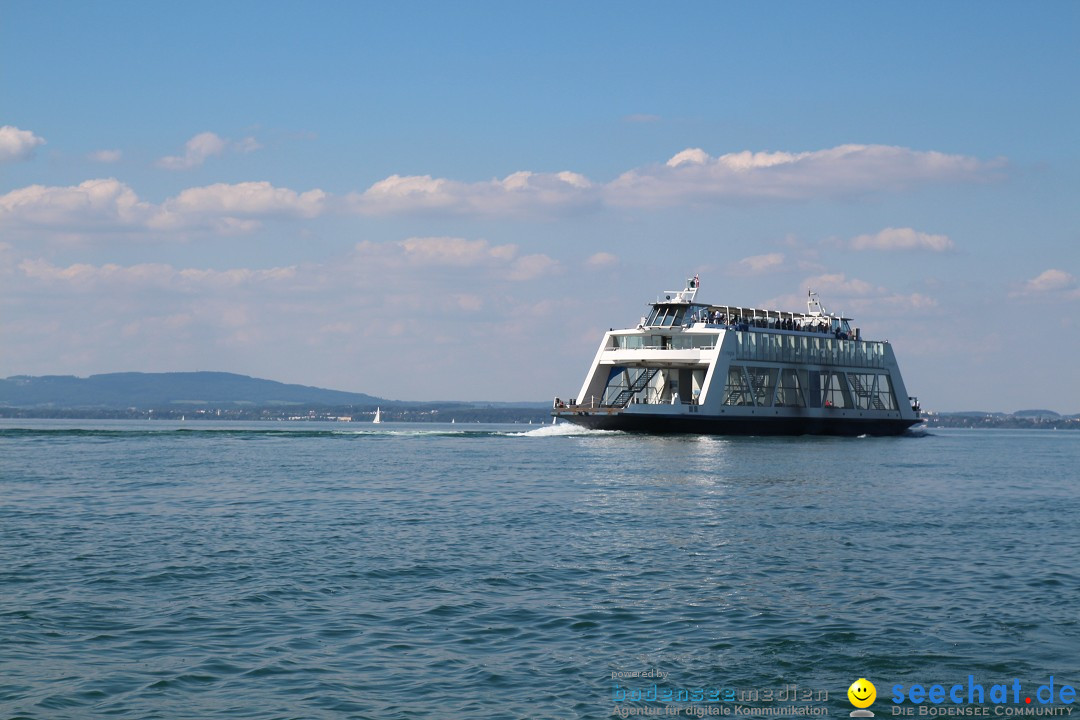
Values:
[(876, 354), (617, 382), (789, 392), (737, 390), (775, 347), (629, 385), (872, 391), (698, 313), (762, 382), (694, 341), (832, 391), (666, 315), (885, 396), (803, 349), (862, 387)]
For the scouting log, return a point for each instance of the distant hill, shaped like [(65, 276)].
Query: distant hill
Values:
[(1036, 414), (161, 390), (974, 413), (1022, 419)]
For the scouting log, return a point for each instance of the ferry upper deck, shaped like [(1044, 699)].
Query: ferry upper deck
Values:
[(679, 309)]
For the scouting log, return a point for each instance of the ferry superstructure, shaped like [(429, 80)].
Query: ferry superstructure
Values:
[(692, 367)]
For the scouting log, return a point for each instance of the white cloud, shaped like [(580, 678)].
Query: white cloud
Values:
[(838, 284), (245, 199), (694, 177), (690, 177), (149, 275), (94, 204), (196, 151), (642, 118), (520, 192), (16, 144), (107, 205), (602, 259), (85, 274), (496, 261), (235, 277), (1049, 281), (247, 145), (691, 156), (106, 156), (859, 298), (900, 304), (204, 146), (758, 264), (852, 296), (528, 267), (454, 251), (902, 239)]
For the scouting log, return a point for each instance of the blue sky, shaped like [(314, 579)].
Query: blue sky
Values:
[(422, 200)]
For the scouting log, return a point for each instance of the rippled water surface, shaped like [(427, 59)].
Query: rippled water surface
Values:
[(156, 570)]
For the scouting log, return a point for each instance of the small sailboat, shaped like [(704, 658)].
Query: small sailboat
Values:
[(378, 415)]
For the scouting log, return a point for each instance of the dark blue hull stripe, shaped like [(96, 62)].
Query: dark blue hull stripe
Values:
[(714, 425)]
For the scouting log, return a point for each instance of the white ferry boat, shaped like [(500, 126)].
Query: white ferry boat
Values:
[(691, 367)]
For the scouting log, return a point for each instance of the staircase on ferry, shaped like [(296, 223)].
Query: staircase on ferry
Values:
[(637, 386)]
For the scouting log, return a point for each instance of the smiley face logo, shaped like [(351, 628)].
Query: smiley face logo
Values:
[(862, 693)]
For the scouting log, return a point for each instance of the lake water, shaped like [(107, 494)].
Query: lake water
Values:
[(226, 570)]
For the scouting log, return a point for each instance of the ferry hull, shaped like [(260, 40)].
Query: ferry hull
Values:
[(716, 425)]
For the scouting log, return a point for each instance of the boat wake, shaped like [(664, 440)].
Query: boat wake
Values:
[(563, 429), (918, 432), (268, 430)]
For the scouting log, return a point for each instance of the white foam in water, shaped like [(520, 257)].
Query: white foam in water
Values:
[(401, 432), (564, 429)]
